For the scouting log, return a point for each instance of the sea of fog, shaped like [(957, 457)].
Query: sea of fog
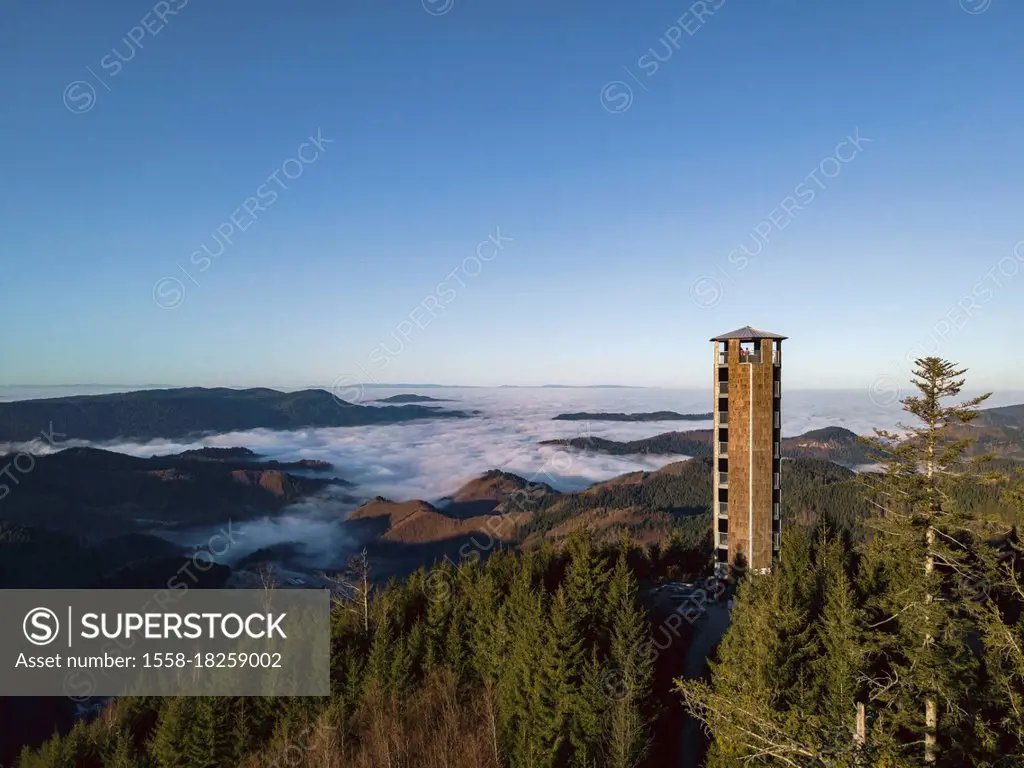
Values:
[(431, 459)]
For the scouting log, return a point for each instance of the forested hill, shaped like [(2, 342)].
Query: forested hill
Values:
[(95, 492), (172, 413), (999, 431), (834, 444), (1003, 416), (672, 503), (542, 660), (695, 443)]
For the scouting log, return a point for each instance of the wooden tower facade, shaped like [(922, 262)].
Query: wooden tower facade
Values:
[(747, 451)]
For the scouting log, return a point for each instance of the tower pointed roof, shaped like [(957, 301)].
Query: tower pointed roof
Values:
[(746, 333)]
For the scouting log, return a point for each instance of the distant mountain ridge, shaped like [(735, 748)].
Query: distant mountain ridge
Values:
[(175, 413), (651, 416), (835, 444), (412, 399), (996, 430)]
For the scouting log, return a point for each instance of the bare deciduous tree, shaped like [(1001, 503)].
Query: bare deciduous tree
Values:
[(352, 588)]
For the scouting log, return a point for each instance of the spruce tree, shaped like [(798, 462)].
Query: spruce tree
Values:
[(560, 668), (631, 665), (168, 743), (122, 755), (489, 635), (378, 662), (994, 594), (764, 705), (585, 582), (839, 667), (520, 695), (207, 741), (922, 546), (590, 731)]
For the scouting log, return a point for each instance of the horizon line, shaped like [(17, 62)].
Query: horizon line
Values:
[(327, 387)]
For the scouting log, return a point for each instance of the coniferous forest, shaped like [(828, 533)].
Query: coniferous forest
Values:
[(890, 635)]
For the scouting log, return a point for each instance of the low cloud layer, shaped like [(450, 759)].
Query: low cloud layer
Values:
[(431, 459)]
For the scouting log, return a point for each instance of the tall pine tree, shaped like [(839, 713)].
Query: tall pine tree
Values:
[(921, 549)]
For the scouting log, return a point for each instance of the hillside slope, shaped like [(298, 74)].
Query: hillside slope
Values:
[(95, 492), (669, 505)]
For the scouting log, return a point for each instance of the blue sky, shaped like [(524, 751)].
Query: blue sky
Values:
[(620, 153)]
